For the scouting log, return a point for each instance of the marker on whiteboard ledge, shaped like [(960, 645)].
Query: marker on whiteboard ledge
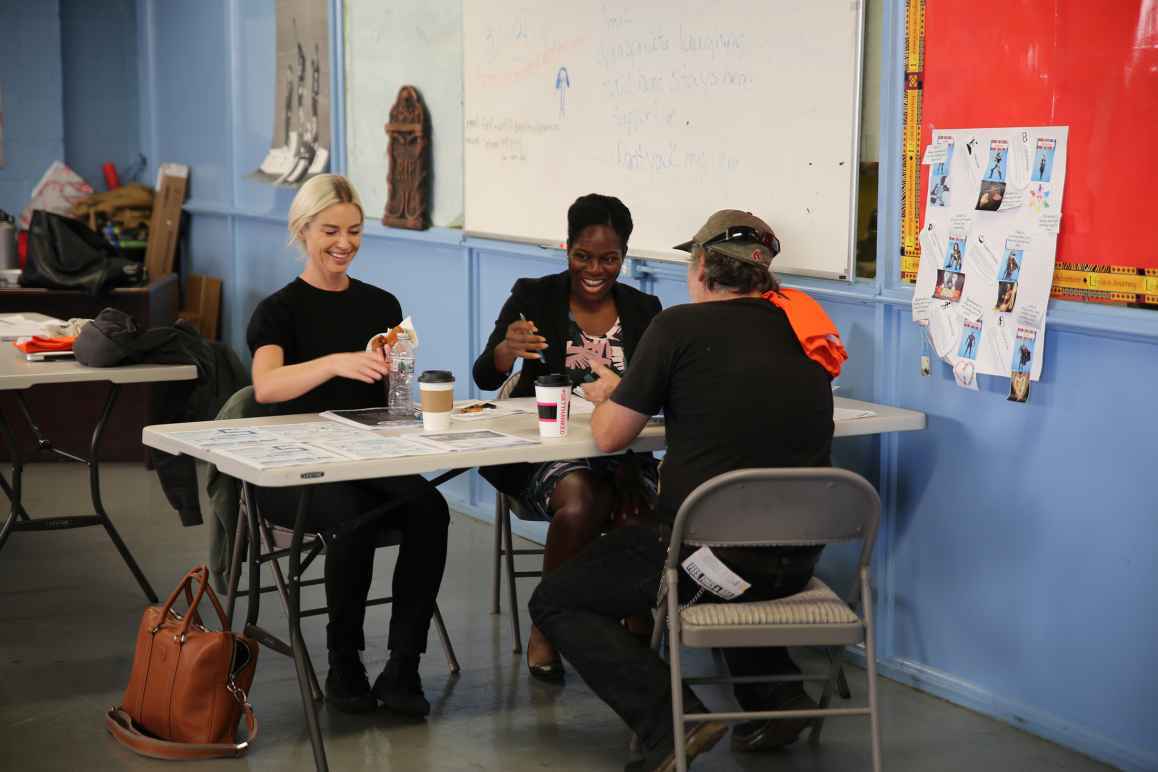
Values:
[(562, 245)]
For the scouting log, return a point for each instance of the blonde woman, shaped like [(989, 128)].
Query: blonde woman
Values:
[(307, 341)]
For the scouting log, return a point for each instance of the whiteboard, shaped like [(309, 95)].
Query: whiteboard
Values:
[(390, 45), (679, 107)]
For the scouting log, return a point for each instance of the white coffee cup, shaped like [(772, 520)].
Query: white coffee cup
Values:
[(553, 393), (436, 390)]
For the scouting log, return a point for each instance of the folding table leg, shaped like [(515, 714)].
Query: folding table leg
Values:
[(16, 510), (301, 656), (94, 478), (496, 590)]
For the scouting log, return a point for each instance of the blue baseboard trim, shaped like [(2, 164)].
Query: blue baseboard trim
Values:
[(1032, 720)]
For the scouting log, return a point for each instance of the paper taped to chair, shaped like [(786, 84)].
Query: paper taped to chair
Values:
[(988, 245), (710, 573)]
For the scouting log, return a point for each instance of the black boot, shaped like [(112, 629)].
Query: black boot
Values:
[(400, 689), (347, 687)]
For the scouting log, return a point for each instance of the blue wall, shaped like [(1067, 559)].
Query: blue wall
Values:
[(1015, 572), (70, 77), (101, 82), (30, 76)]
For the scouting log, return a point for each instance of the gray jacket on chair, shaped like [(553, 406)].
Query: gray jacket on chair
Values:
[(225, 492)]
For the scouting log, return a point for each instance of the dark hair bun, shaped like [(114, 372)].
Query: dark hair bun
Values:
[(596, 209)]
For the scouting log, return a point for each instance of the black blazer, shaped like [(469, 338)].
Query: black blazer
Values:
[(546, 302)]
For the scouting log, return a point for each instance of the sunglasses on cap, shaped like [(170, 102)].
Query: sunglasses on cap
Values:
[(746, 233)]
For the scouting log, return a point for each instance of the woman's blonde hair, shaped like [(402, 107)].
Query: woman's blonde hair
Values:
[(317, 195)]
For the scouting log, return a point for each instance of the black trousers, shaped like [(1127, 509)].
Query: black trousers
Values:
[(423, 522), (578, 608)]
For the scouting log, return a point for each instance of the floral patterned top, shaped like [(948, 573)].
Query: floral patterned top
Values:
[(584, 351)]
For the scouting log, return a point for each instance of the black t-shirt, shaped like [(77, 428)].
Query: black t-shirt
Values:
[(308, 323), (737, 392)]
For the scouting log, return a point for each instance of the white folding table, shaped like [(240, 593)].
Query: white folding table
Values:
[(18, 374), (577, 444)]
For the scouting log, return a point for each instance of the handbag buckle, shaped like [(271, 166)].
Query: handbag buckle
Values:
[(237, 692)]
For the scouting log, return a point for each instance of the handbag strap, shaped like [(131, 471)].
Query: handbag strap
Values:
[(121, 727), (200, 574)]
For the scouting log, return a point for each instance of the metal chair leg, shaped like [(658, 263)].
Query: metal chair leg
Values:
[(826, 695), (283, 591), (240, 535), (513, 589), (842, 684), (447, 646), (870, 650), (496, 591), (677, 678)]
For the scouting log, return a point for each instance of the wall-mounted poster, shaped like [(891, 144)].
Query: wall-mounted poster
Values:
[(992, 215), (300, 147)]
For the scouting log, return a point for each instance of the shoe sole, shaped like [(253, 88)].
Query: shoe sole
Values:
[(702, 739), (775, 734)]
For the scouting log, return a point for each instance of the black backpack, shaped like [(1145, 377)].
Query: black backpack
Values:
[(64, 253)]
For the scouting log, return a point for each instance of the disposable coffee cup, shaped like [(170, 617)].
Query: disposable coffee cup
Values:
[(436, 389), (553, 393)]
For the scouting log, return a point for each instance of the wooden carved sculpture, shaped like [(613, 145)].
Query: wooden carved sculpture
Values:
[(408, 178)]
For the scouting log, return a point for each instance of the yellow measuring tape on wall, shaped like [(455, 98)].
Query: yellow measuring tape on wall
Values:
[(911, 144)]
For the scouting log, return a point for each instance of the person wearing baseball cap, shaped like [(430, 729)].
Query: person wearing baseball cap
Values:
[(738, 390)]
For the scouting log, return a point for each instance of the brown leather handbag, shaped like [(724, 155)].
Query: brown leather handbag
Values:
[(188, 687)]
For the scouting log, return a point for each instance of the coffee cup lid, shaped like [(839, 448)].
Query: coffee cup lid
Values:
[(554, 380), (436, 376)]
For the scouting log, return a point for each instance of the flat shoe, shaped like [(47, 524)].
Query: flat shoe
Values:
[(549, 672)]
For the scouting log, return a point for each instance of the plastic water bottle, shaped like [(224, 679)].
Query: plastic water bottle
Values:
[(401, 400)]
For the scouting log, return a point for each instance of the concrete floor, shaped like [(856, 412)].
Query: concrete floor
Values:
[(69, 610)]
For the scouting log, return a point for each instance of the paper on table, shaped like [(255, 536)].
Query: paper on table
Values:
[(850, 414), (496, 409), (316, 431), (13, 326), (279, 454), (362, 447), (229, 437), (480, 439), (371, 418)]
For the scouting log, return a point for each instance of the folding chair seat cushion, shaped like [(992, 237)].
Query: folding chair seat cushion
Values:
[(816, 615)]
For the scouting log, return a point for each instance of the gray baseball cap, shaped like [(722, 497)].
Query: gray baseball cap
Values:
[(736, 234)]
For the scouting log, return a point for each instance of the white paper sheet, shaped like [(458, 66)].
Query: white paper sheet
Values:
[(362, 447), (992, 211), (478, 439), (279, 454), (224, 438), (15, 326)]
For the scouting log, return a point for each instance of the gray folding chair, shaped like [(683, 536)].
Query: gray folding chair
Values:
[(504, 546), (766, 508)]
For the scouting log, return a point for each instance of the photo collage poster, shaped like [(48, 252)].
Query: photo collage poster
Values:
[(988, 244)]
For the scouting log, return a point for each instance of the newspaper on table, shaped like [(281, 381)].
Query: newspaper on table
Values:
[(372, 418), (479, 439), (988, 245)]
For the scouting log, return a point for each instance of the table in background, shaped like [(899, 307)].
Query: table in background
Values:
[(18, 375), (152, 305), (578, 443)]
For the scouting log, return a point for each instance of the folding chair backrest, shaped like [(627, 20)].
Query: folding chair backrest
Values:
[(779, 507)]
